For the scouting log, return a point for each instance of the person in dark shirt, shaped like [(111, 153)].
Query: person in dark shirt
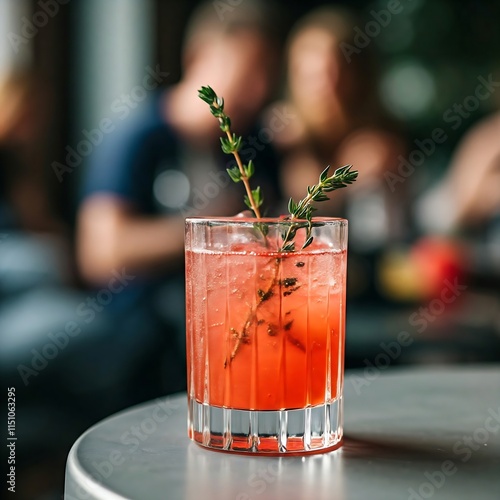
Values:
[(164, 163)]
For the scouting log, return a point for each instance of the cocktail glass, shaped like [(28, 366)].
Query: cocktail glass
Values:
[(265, 335)]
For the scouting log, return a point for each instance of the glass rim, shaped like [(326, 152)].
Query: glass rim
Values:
[(267, 220)]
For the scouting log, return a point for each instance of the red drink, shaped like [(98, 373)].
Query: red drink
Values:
[(265, 329)]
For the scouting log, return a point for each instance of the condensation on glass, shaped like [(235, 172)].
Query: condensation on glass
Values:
[(265, 335)]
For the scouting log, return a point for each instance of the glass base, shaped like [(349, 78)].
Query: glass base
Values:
[(309, 430)]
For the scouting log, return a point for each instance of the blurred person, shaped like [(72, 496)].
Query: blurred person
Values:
[(38, 296), (464, 207), (335, 119), (37, 300), (460, 216), (165, 164), (24, 196), (468, 197), (32, 250), (51, 338)]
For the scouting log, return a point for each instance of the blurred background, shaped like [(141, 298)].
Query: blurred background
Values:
[(104, 149)]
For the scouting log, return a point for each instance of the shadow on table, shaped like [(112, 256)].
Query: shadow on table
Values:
[(405, 449)]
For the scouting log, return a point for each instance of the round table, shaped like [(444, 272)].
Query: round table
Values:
[(414, 433)]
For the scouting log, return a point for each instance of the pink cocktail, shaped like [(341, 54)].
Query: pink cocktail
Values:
[(265, 336)]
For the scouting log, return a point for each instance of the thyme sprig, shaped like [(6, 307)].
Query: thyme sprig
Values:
[(231, 145), (300, 212), (303, 210)]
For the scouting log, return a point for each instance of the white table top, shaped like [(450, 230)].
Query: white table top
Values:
[(412, 433)]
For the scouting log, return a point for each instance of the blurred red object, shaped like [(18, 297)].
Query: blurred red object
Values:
[(438, 261), (423, 270)]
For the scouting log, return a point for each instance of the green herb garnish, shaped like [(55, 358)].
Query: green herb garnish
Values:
[(231, 145), (341, 178), (300, 213)]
